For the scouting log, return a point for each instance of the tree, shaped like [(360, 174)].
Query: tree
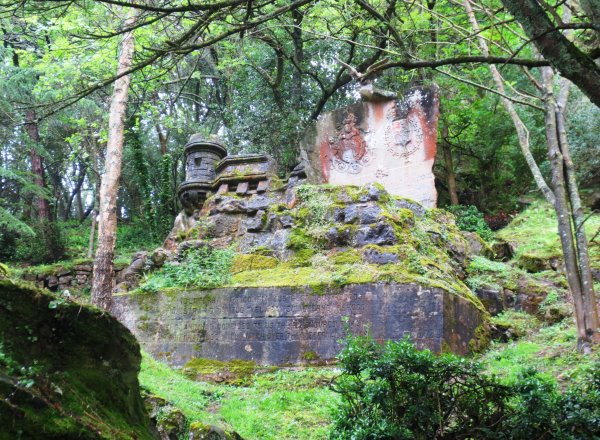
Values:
[(564, 195), (107, 225), (556, 48)]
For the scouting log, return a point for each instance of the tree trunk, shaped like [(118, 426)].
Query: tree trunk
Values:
[(107, 227), (587, 317), (95, 212), (162, 139), (76, 193), (37, 166), (297, 17), (556, 48), (522, 132), (447, 151)]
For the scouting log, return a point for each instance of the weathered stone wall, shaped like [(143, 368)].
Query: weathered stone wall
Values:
[(392, 142), (77, 277), (274, 326)]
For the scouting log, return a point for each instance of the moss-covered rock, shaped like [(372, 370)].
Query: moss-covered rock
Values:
[(244, 262), (66, 371), (535, 263), (3, 271), (202, 431), (170, 421), (235, 372)]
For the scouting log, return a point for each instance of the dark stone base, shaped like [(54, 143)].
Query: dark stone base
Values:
[(286, 325)]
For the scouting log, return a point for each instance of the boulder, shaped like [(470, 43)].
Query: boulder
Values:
[(503, 250), (200, 431), (377, 256), (231, 206), (68, 372), (378, 233), (158, 257), (170, 422), (477, 246)]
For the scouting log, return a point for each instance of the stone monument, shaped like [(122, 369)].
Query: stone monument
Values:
[(309, 257), (389, 141)]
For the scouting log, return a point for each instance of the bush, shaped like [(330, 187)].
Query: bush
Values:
[(46, 246), (394, 391), (202, 267), (470, 219)]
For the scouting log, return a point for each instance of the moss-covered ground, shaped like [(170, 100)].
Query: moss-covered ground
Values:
[(285, 404), (534, 233), (550, 349)]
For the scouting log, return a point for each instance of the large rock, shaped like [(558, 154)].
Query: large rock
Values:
[(274, 326), (388, 141), (67, 371)]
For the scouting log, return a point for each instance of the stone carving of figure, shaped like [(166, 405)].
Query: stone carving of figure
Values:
[(348, 148)]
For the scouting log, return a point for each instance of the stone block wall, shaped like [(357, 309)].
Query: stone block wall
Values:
[(287, 325), (78, 277)]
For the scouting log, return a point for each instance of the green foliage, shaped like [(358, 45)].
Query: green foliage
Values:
[(203, 267), (517, 322), (394, 391), (47, 245), (469, 218)]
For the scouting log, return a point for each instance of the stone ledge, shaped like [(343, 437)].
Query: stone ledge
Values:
[(285, 325)]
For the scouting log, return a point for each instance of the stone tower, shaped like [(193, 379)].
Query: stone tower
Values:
[(201, 157)]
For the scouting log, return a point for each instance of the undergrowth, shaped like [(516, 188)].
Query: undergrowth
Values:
[(204, 267), (286, 404)]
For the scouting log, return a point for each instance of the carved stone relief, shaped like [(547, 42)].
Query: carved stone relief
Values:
[(348, 149)]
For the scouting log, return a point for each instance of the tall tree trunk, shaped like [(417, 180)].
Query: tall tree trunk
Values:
[(107, 227), (569, 211), (163, 139), (522, 132), (95, 209), (37, 166), (76, 193), (563, 196), (451, 177), (297, 17)]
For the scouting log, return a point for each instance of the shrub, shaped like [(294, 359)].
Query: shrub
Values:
[(469, 218), (47, 245), (202, 267), (394, 391), (498, 220)]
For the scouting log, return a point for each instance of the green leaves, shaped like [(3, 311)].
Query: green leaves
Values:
[(394, 391), (203, 267)]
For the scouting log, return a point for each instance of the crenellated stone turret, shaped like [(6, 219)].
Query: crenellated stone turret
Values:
[(201, 157)]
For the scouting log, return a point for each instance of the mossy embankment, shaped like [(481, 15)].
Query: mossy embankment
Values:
[(284, 404), (67, 371), (343, 235)]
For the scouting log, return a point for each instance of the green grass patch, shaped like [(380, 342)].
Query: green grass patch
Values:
[(294, 404), (552, 350), (535, 232)]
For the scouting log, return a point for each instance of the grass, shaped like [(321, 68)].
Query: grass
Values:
[(552, 350), (290, 404), (535, 231)]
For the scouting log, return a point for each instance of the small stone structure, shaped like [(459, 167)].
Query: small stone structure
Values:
[(210, 170), (60, 278), (389, 141)]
